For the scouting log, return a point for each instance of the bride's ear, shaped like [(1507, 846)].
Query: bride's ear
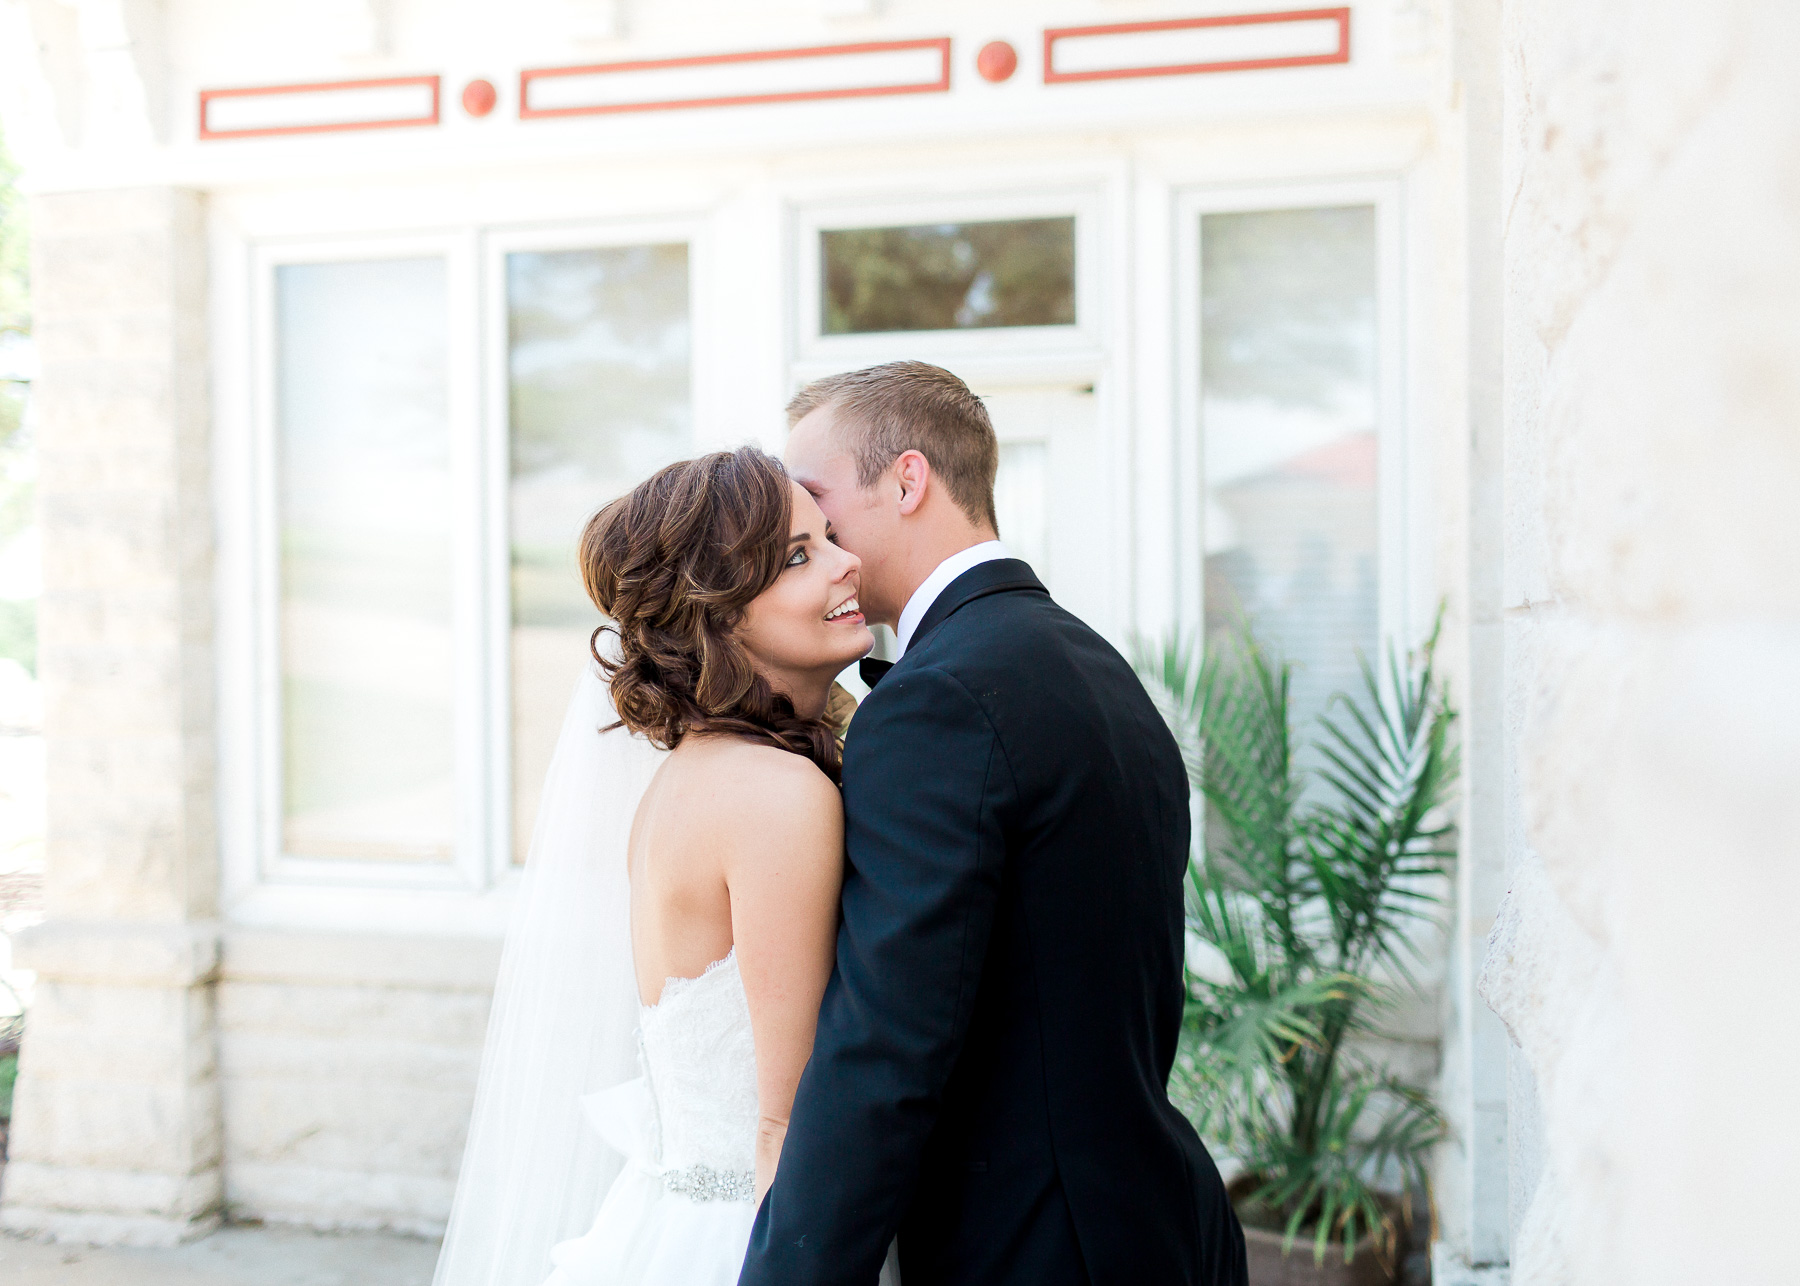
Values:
[(912, 471)]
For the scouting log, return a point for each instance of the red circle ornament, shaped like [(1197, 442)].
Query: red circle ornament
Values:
[(479, 97), (997, 61)]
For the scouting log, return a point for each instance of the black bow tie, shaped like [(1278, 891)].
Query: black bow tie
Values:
[(872, 669)]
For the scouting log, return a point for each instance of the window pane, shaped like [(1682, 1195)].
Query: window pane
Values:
[(1288, 404), (364, 494), (598, 364), (949, 276)]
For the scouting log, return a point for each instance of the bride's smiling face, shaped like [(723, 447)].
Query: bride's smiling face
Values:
[(806, 627)]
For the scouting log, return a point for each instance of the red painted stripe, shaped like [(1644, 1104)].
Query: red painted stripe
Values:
[(1341, 55), (257, 91), (940, 85)]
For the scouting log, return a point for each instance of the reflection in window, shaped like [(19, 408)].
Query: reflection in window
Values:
[(1288, 408), (948, 276), (598, 366), (363, 458)]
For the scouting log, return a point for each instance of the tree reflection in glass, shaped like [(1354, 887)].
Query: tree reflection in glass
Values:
[(1288, 409), (948, 276), (598, 399)]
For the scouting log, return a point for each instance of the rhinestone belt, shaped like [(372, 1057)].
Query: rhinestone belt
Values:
[(703, 1183)]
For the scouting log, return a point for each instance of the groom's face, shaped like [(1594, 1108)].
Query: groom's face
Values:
[(867, 520)]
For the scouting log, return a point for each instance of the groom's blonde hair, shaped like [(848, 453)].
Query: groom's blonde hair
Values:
[(912, 406)]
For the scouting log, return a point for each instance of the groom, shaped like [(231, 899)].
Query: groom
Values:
[(988, 1078)]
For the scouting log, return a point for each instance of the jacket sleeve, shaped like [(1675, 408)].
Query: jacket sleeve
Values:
[(926, 786)]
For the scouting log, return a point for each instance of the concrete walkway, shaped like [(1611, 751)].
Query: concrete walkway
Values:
[(230, 1257)]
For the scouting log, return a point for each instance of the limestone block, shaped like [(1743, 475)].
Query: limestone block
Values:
[(340, 1199), (1637, 196), (89, 338), (94, 539), (453, 1019), (362, 959), (118, 272), (117, 1123), (353, 1057), (165, 955), (349, 1063), (347, 1124), (87, 621), (122, 1190)]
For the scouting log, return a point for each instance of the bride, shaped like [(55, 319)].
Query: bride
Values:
[(677, 923)]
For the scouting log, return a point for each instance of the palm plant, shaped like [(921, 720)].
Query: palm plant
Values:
[(1315, 868)]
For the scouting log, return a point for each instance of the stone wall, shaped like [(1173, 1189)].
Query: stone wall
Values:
[(348, 1066), (1652, 407)]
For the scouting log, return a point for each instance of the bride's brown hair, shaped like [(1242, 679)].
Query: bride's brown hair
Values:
[(673, 564)]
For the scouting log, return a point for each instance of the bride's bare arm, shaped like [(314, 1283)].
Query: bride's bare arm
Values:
[(784, 867)]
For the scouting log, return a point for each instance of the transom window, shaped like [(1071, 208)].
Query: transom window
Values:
[(948, 276)]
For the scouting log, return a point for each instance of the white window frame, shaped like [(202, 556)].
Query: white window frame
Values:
[(976, 348), (1392, 501), (272, 865), (496, 244), (261, 881)]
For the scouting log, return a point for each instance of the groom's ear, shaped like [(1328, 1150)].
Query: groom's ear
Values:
[(912, 471)]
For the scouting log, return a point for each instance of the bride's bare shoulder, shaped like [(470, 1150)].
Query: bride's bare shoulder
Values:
[(738, 780)]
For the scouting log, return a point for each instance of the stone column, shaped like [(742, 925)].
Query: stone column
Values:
[(116, 1135)]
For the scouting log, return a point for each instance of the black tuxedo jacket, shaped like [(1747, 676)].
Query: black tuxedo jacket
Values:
[(988, 1080)]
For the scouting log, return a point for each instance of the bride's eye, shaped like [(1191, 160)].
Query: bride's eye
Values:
[(797, 558)]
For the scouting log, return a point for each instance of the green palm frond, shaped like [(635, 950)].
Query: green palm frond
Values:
[(1309, 883)]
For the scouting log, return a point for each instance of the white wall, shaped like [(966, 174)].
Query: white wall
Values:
[(1641, 962)]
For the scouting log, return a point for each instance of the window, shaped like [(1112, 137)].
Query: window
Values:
[(598, 380), (418, 607), (364, 501), (1289, 417), (948, 276)]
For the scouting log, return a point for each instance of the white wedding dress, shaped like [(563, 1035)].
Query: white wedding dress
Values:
[(680, 1212), (545, 1150)]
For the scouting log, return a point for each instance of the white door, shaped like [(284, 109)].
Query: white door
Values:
[(1051, 492)]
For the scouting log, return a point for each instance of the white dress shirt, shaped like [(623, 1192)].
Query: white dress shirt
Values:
[(936, 583)]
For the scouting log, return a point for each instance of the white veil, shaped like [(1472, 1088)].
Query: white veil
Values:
[(564, 1022)]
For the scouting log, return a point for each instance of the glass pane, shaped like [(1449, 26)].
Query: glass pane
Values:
[(1288, 404), (598, 364), (949, 276), (1021, 503), (365, 503)]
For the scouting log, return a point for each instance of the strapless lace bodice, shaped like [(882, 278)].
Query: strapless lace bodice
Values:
[(690, 1118), (681, 1213), (700, 1063)]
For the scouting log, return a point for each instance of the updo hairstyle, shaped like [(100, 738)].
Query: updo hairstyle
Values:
[(673, 565)]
